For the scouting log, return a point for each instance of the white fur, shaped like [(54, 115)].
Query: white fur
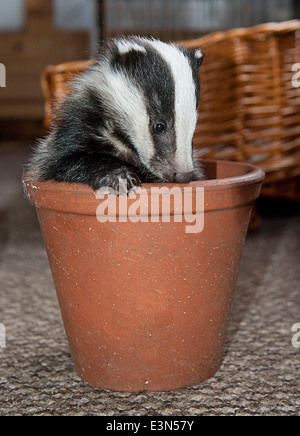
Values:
[(121, 149), (126, 103), (198, 54), (125, 46), (185, 103)]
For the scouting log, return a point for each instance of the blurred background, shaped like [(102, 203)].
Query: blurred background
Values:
[(249, 111), (35, 33)]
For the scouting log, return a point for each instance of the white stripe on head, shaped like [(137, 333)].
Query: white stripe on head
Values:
[(126, 104), (124, 46), (185, 102)]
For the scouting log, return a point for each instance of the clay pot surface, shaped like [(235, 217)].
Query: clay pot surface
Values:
[(146, 304)]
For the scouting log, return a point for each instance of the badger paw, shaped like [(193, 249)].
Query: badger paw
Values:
[(121, 181)]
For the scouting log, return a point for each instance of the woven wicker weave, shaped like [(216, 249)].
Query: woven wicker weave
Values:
[(55, 84), (249, 110)]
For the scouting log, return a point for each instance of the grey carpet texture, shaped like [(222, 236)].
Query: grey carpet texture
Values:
[(260, 373)]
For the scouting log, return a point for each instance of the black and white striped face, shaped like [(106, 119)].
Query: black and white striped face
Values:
[(152, 90)]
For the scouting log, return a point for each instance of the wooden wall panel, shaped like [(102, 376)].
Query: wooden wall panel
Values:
[(25, 54)]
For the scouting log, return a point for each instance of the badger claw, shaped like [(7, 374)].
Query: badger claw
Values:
[(118, 182)]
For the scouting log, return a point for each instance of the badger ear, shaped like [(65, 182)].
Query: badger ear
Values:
[(128, 52), (199, 57), (195, 54)]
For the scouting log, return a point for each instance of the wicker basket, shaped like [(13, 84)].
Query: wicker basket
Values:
[(249, 110), (55, 84)]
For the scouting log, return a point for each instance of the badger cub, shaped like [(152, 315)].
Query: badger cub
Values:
[(131, 115)]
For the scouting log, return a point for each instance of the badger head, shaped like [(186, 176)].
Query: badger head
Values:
[(151, 92)]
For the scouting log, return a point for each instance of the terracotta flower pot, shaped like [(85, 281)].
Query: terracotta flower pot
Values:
[(146, 302)]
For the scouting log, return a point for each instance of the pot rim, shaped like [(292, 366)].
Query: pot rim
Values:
[(253, 175), (223, 193)]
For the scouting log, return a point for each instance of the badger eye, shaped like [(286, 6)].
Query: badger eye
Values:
[(159, 128)]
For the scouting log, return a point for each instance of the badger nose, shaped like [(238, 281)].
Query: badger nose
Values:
[(181, 177)]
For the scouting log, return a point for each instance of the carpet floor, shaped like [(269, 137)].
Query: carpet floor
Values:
[(260, 373)]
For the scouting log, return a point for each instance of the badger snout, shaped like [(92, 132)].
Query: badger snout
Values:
[(169, 172), (176, 177)]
